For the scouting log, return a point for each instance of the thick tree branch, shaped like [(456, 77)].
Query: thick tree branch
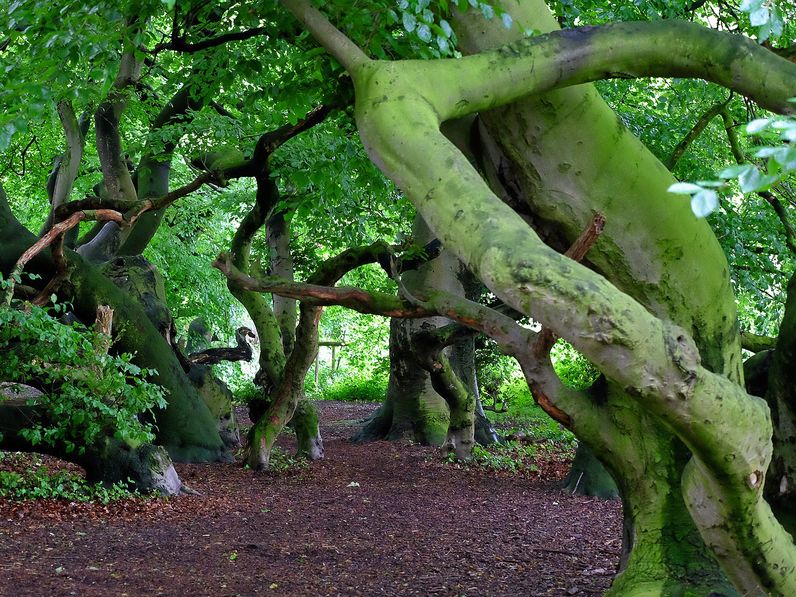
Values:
[(338, 45), (755, 343), (67, 165), (154, 169), (118, 182)]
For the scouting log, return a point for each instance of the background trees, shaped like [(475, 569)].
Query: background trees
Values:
[(652, 306)]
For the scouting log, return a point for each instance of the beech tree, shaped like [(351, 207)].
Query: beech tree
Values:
[(666, 338), (645, 295)]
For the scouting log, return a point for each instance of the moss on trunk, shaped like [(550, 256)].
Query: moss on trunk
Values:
[(185, 427), (587, 476)]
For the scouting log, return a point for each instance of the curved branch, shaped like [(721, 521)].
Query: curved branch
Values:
[(535, 65), (55, 235), (132, 210), (115, 172), (755, 343), (320, 294), (69, 164)]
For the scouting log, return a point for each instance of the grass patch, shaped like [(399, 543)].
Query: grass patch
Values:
[(347, 388), (526, 418)]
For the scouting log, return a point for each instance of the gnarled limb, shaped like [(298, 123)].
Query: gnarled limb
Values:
[(723, 493), (116, 175)]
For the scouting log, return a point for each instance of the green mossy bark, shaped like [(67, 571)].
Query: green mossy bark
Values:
[(285, 353), (400, 107), (287, 396), (525, 148), (218, 398), (305, 423), (185, 427), (460, 437), (412, 409), (587, 476), (414, 406)]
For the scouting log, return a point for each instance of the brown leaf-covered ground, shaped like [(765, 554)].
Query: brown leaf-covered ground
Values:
[(377, 519)]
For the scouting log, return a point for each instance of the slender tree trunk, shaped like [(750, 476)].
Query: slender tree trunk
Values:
[(287, 396)]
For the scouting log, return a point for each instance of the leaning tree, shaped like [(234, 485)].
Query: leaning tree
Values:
[(651, 305), (688, 446)]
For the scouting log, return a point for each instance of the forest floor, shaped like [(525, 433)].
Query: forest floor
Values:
[(384, 518)]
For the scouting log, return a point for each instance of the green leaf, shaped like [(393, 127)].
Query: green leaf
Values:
[(734, 171), (757, 125), (704, 203), (759, 16), (753, 180), (409, 21), (424, 32), (684, 188)]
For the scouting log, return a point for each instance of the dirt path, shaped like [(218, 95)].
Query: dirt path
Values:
[(412, 526)]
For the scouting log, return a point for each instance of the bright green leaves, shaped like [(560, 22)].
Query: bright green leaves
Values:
[(88, 394), (703, 201), (51, 53), (779, 160), (775, 163), (427, 22), (427, 25), (684, 188), (766, 16)]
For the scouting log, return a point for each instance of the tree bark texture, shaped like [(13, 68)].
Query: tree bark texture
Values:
[(400, 106)]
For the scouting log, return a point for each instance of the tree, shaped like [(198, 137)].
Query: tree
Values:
[(671, 420), (664, 364)]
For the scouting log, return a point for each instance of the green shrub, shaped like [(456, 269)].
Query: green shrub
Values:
[(87, 393), (38, 482), (513, 457)]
